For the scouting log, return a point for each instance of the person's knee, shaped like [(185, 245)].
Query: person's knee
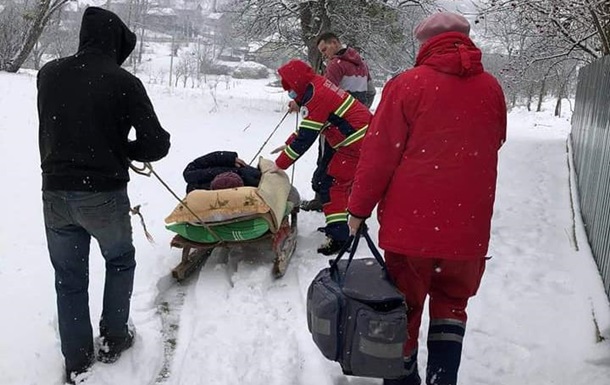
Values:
[(75, 283), (121, 257)]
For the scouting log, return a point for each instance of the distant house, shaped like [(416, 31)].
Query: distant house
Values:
[(215, 23), (162, 19), (273, 52)]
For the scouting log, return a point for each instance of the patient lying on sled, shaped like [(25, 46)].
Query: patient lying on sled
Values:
[(240, 202), (220, 170)]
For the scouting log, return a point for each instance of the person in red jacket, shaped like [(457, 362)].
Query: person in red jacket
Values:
[(346, 69), (343, 120), (429, 159)]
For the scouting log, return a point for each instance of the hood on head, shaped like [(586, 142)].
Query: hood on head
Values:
[(295, 75), (351, 55), (103, 30), (451, 53)]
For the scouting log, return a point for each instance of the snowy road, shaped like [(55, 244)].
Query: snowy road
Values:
[(532, 322)]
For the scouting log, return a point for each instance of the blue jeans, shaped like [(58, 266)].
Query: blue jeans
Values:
[(71, 219)]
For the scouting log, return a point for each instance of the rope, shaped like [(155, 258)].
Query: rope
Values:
[(136, 211), (269, 137), (147, 170)]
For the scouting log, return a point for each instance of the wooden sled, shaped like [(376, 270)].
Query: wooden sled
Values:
[(283, 243)]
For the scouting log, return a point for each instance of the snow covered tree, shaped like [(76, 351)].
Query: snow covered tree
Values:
[(541, 44), (378, 27), (21, 25), (579, 27)]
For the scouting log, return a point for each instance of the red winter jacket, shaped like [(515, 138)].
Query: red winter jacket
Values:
[(348, 71), (325, 109), (430, 155)]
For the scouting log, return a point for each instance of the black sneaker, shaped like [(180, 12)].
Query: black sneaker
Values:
[(331, 246), (312, 205), (111, 347)]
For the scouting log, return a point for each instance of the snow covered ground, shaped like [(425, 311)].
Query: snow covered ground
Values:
[(532, 322)]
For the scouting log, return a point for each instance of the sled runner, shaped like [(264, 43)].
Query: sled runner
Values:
[(265, 215)]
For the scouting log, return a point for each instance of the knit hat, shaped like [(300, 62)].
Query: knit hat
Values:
[(226, 180), (441, 22)]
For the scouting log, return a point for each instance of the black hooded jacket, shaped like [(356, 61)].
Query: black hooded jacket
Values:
[(87, 105), (199, 173)]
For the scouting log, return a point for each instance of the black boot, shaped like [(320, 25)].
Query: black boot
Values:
[(112, 347), (331, 246), (312, 205), (444, 351)]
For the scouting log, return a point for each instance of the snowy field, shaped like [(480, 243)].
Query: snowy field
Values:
[(533, 322)]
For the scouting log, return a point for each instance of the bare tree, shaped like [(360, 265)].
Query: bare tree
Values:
[(541, 44), (22, 38), (579, 27)]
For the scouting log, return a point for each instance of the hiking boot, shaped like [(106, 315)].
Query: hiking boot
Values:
[(312, 205), (331, 246), (112, 347)]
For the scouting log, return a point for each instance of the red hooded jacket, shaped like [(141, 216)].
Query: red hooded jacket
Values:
[(349, 72), (325, 108), (430, 155)]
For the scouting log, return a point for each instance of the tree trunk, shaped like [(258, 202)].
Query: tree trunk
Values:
[(43, 11), (558, 106), (314, 21), (562, 89), (513, 100), (541, 95), (530, 96)]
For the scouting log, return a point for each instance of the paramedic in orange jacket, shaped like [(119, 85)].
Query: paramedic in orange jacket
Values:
[(343, 120)]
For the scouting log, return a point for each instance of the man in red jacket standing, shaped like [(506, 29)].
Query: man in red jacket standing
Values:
[(343, 120), (429, 159)]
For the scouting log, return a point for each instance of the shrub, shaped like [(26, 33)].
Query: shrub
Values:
[(251, 70)]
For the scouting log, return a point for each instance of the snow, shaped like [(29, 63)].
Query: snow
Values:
[(532, 322), (162, 12)]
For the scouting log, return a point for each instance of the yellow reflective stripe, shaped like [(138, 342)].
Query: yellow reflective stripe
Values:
[(311, 124), (347, 103), (291, 153), (356, 136), (338, 217)]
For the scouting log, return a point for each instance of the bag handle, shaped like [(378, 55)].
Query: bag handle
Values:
[(353, 241)]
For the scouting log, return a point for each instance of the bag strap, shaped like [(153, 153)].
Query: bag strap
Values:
[(353, 241), (373, 248)]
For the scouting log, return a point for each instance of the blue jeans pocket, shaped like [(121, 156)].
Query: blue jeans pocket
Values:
[(99, 211)]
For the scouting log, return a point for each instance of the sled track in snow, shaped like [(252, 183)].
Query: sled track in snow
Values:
[(169, 303), (238, 324)]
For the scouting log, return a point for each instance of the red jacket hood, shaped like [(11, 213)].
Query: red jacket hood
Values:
[(296, 74), (351, 55), (452, 53)]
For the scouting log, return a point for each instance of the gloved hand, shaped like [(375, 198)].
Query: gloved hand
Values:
[(240, 163), (278, 149), (293, 106)]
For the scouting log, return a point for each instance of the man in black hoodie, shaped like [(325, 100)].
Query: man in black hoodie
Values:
[(87, 105)]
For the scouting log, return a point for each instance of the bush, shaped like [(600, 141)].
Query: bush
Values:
[(251, 70), (216, 69)]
